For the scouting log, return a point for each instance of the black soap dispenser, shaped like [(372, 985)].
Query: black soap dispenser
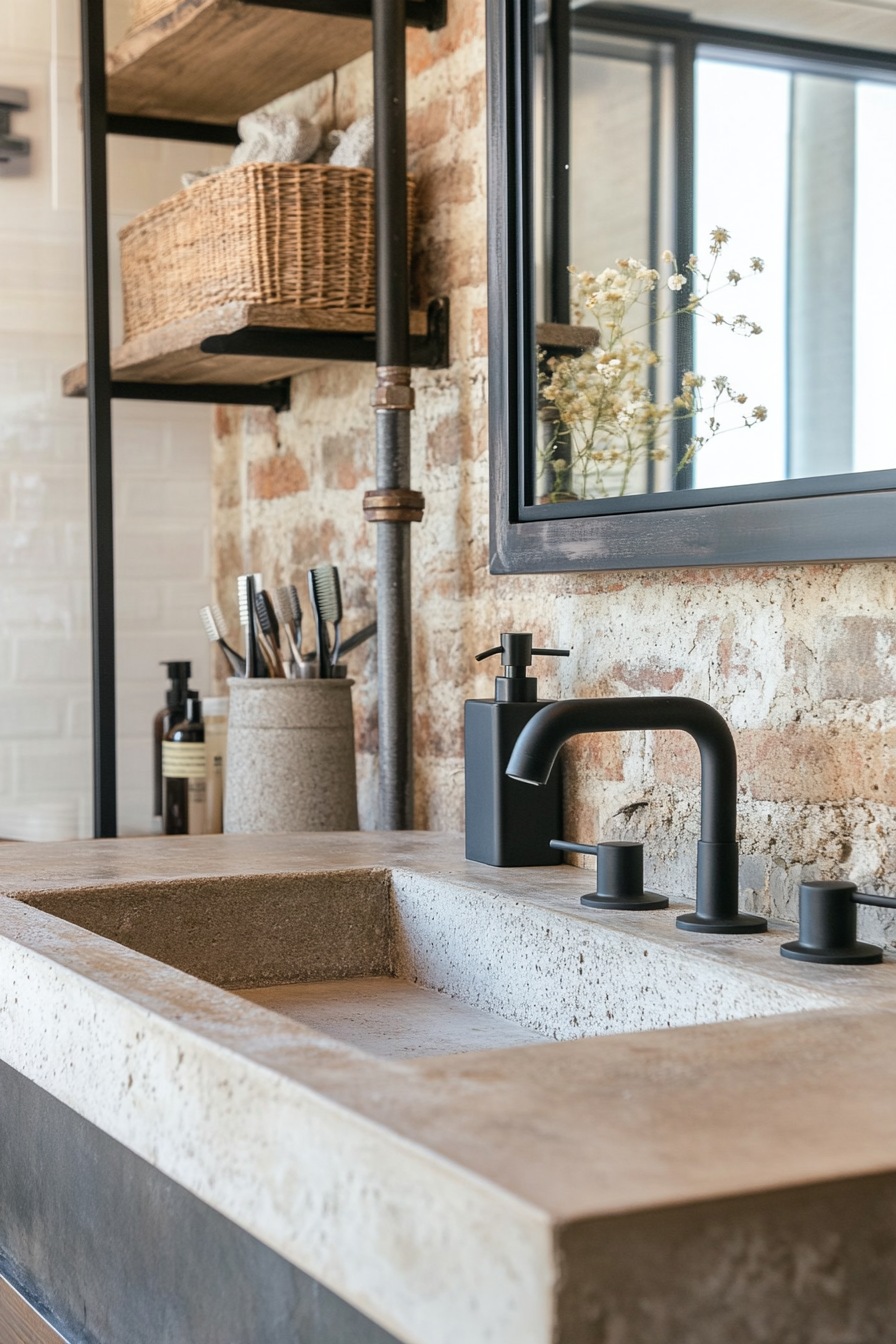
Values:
[(508, 824)]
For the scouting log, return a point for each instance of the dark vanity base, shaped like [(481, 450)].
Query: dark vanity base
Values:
[(107, 1249)]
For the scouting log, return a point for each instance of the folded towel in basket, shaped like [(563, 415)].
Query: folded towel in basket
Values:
[(275, 137), (267, 137), (354, 147)]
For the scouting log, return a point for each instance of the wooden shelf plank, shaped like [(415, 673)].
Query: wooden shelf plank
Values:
[(213, 60), (173, 354), (560, 336)]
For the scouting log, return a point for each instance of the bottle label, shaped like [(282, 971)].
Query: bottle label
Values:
[(197, 808), (183, 760)]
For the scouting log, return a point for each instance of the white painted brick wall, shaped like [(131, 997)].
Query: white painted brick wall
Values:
[(162, 452)]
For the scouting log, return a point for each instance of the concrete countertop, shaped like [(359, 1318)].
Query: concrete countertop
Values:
[(516, 1195)]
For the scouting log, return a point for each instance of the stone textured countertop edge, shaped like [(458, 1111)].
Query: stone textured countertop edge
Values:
[(488, 1152)]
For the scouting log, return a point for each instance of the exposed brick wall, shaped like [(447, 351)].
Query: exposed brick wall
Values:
[(800, 659)]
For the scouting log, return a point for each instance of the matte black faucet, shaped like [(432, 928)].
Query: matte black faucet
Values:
[(540, 741)]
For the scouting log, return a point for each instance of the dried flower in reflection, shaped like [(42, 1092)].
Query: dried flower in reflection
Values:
[(601, 421)]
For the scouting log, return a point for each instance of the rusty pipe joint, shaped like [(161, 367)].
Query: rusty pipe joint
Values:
[(393, 391), (394, 506)]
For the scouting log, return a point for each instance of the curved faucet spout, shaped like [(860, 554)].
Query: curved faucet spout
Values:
[(538, 746), (540, 741)]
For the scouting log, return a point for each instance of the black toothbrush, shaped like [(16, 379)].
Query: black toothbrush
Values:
[(287, 600), (212, 618), (359, 637), (327, 597), (247, 585), (320, 625), (270, 632)]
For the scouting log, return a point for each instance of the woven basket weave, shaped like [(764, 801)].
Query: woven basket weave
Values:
[(300, 235), (146, 11)]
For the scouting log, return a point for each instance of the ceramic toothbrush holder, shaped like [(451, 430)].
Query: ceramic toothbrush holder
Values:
[(290, 757)]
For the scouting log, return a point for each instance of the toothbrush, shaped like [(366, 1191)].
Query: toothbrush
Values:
[(320, 625), (247, 586), (269, 634), (359, 637), (287, 602), (326, 598), (212, 618)]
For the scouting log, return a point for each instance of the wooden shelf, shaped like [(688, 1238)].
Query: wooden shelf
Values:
[(174, 354), (213, 60), (558, 337)]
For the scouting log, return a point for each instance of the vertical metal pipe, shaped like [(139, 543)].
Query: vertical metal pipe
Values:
[(99, 398), (557, 153), (393, 421), (393, 342)]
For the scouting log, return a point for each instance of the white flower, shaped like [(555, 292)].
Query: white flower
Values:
[(667, 257), (760, 413), (677, 282)]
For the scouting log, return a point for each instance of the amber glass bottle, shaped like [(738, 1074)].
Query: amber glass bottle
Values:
[(175, 709), (184, 774)]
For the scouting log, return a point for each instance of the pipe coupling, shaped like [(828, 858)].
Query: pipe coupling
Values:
[(393, 506), (393, 391)]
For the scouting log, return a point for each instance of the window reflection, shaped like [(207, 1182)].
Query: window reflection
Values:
[(672, 130)]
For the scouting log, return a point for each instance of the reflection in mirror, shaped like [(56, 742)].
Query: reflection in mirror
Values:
[(713, 197)]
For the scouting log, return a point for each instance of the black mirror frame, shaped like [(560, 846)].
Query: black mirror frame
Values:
[(844, 518)]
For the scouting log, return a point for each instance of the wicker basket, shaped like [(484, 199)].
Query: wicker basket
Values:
[(299, 235), (147, 11)]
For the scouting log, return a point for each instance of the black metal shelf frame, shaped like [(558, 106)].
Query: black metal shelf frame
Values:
[(429, 351)]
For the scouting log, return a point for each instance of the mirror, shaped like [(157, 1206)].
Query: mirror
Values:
[(664, 135), (697, 206)]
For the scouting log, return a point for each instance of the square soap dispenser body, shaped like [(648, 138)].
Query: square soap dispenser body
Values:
[(508, 824)]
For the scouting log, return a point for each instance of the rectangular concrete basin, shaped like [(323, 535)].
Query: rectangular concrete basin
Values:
[(399, 964)]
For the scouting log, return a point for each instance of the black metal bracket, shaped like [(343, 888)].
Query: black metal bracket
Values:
[(430, 14), (15, 150), (427, 352), (431, 351), (165, 128), (274, 394)]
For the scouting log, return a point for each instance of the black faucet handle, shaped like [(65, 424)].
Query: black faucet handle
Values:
[(551, 653), (828, 925), (620, 876), (575, 849)]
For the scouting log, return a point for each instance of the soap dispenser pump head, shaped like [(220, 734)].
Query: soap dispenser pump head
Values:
[(515, 686), (179, 675)]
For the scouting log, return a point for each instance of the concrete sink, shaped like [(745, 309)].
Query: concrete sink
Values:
[(399, 964)]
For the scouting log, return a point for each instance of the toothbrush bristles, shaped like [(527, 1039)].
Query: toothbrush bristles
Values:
[(220, 620), (242, 589), (283, 605), (293, 599), (207, 616), (266, 618), (326, 589)]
